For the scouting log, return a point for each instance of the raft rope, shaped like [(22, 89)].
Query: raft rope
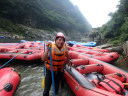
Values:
[(9, 61)]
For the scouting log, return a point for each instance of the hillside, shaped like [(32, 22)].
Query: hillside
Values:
[(51, 15), (116, 30)]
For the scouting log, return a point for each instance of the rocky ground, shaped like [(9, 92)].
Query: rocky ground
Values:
[(29, 33), (10, 35), (40, 34)]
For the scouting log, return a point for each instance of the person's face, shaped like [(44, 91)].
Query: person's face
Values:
[(59, 42)]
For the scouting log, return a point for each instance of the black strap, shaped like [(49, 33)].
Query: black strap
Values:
[(110, 86), (56, 60), (54, 65), (59, 54), (124, 78), (122, 93)]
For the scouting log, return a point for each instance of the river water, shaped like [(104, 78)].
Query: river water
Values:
[(32, 76)]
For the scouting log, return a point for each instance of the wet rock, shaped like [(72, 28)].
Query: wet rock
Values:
[(104, 46), (17, 37), (118, 49), (125, 48)]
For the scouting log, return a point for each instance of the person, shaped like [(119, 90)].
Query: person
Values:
[(59, 52)]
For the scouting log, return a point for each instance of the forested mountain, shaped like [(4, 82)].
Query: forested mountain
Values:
[(43, 14), (116, 30)]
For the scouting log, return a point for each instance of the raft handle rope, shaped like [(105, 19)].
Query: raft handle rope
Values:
[(9, 61)]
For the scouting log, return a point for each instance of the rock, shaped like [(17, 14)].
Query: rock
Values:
[(104, 46), (17, 37), (118, 49), (125, 48)]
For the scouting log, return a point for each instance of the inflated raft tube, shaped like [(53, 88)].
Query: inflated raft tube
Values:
[(23, 55), (77, 62), (86, 51), (85, 69), (10, 80), (90, 48), (81, 86), (119, 76), (106, 57)]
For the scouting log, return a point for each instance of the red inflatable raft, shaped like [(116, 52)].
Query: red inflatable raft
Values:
[(24, 54), (100, 55), (106, 57), (9, 81), (27, 51), (8, 44), (80, 47), (91, 77), (30, 45)]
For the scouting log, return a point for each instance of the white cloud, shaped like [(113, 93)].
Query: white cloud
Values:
[(96, 11)]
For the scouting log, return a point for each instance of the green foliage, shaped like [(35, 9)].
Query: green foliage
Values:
[(8, 26), (45, 14), (124, 37), (117, 28), (115, 42)]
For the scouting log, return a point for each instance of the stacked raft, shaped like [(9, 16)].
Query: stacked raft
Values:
[(27, 51), (96, 53), (90, 76)]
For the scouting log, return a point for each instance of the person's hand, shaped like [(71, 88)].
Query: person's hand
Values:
[(66, 46), (48, 44), (69, 64)]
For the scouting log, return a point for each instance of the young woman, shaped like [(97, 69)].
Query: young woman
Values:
[(59, 52)]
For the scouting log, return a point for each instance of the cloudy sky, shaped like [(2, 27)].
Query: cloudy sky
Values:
[(96, 11)]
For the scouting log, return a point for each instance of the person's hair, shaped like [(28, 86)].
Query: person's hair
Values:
[(59, 37)]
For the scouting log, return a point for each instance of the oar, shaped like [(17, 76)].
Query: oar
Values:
[(125, 83), (9, 61), (43, 81), (52, 70)]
